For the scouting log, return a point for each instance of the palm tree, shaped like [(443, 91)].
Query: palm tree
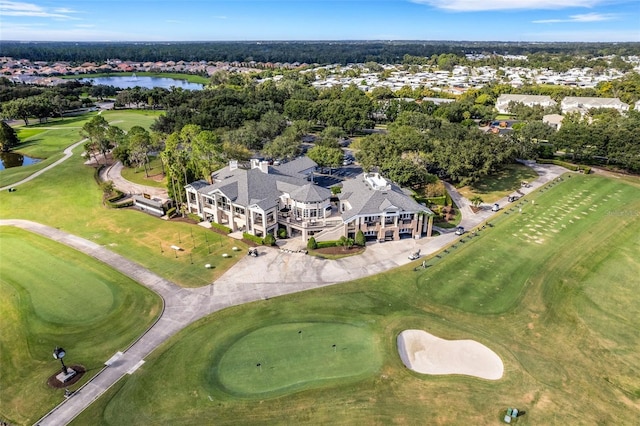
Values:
[(476, 201)]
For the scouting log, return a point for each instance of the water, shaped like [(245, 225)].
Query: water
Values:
[(129, 81), (13, 159)]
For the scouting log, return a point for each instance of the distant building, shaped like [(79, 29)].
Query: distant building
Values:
[(553, 120), (583, 105), (502, 104)]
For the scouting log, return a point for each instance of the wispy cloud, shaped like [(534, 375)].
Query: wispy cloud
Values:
[(485, 5), (12, 8), (587, 17), (174, 21), (589, 36), (221, 17)]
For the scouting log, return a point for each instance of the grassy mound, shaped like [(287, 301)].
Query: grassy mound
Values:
[(51, 296)]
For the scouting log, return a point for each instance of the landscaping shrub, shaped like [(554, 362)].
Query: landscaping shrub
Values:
[(312, 244), (171, 212), (194, 217), (573, 167), (438, 201), (269, 240), (247, 236), (360, 239), (282, 233), (223, 228)]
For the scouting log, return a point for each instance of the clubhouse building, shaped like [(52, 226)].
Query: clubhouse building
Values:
[(259, 199)]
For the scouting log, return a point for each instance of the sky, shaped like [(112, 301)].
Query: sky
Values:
[(239, 20)]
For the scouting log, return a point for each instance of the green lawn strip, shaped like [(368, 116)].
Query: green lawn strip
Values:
[(52, 296), (137, 174), (559, 364), (492, 188), (68, 198)]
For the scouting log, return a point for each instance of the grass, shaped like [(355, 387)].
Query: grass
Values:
[(494, 187), (67, 197), (553, 290), (282, 358), (51, 295), (137, 174)]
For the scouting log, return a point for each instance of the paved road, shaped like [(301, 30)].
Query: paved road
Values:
[(272, 274)]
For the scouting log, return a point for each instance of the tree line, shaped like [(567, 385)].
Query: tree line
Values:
[(321, 52)]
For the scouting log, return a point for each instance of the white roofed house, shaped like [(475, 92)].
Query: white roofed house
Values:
[(503, 101), (584, 104), (381, 210)]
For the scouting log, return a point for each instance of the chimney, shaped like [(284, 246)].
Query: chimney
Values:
[(264, 166), (233, 164)]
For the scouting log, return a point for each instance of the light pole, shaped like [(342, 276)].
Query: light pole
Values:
[(59, 353)]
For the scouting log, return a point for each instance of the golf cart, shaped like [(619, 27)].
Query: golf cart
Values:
[(253, 252), (459, 230), (495, 207), (414, 256)]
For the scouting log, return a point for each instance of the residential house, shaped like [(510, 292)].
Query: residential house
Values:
[(502, 104), (584, 104)]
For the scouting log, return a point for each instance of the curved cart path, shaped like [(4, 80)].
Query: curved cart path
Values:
[(272, 274)]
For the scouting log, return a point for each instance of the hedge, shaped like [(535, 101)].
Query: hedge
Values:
[(438, 201), (113, 201), (171, 212), (222, 228), (247, 236), (573, 167)]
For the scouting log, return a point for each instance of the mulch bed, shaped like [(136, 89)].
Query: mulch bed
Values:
[(55, 383)]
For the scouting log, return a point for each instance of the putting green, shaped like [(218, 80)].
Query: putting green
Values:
[(52, 295), (286, 357), (59, 290)]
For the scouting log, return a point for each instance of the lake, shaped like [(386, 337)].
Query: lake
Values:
[(13, 159), (129, 81)]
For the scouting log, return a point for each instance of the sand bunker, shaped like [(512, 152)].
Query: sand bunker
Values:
[(427, 354)]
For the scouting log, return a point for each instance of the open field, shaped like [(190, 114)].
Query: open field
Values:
[(552, 290), (51, 295), (492, 188), (67, 197)]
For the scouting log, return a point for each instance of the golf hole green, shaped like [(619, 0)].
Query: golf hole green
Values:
[(288, 357)]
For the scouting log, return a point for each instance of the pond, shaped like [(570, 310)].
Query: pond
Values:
[(129, 81), (14, 159)]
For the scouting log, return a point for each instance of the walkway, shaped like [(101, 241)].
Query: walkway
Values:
[(114, 174), (271, 274)]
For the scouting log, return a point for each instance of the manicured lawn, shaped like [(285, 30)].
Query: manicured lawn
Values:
[(137, 175), (51, 295), (67, 197), (283, 358), (127, 118), (552, 290), (492, 188)]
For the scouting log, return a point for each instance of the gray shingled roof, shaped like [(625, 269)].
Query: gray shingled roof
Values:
[(366, 201), (295, 167), (252, 186), (310, 193)]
